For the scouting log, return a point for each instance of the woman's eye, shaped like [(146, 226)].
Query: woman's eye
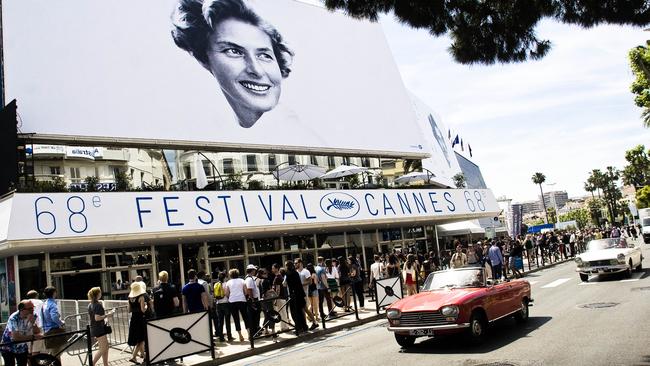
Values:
[(265, 57), (232, 52)]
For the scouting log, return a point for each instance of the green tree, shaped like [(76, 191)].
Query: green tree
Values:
[(539, 179), (496, 31), (611, 193), (637, 172), (459, 180), (412, 165), (123, 182), (589, 187), (595, 207), (640, 64), (91, 183), (57, 184), (596, 180), (581, 216), (551, 215), (643, 197)]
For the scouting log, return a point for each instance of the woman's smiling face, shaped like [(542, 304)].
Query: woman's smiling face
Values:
[(242, 60)]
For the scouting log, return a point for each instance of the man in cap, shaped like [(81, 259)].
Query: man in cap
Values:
[(252, 299)]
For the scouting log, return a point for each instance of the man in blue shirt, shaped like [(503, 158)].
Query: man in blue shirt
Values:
[(194, 297), (496, 260)]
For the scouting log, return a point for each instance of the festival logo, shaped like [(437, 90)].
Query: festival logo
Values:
[(339, 205)]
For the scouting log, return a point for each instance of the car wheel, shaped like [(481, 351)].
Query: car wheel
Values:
[(639, 268), (584, 277), (405, 341), (522, 315), (476, 331), (628, 271)]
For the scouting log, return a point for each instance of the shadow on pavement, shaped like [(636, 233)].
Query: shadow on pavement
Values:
[(499, 334)]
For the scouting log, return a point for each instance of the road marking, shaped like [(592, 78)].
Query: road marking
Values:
[(630, 280), (556, 283), (587, 283), (532, 282)]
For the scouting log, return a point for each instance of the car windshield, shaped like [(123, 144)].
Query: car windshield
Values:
[(646, 222), (466, 277), (606, 244)]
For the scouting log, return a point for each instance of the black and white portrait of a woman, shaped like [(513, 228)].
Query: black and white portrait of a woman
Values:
[(246, 55)]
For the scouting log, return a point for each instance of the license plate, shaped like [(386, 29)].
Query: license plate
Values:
[(421, 332)]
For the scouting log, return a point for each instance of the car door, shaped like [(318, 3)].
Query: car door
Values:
[(502, 306)]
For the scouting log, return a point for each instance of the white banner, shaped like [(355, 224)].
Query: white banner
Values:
[(279, 73), (59, 215)]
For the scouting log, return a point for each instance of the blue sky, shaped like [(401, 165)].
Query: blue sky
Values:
[(563, 115)]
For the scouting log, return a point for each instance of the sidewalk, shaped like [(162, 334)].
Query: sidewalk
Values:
[(231, 351)]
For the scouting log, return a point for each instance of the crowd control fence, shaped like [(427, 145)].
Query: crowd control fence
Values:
[(119, 322), (340, 303), (177, 336), (388, 291), (275, 313), (68, 348)]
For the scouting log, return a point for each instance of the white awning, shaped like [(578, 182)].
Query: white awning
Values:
[(460, 228)]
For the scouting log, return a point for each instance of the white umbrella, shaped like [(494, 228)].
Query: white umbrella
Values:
[(415, 177), (299, 172), (343, 171)]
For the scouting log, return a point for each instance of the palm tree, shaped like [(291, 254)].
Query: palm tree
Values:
[(589, 187), (539, 178)]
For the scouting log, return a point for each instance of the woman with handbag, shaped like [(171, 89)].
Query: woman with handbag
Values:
[(137, 308), (98, 327)]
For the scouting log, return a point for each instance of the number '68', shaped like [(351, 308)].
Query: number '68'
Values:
[(46, 221)]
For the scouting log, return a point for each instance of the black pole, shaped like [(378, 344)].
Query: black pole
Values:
[(89, 344), (213, 169)]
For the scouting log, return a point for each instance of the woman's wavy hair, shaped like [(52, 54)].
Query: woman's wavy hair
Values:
[(194, 20)]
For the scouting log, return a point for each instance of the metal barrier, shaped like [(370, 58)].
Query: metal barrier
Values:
[(75, 343), (271, 318), (339, 302), (119, 323)]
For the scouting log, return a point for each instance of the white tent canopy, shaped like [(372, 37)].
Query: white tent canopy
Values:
[(461, 228)]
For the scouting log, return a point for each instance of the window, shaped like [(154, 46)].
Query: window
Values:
[(346, 160), (365, 162), (313, 160), (207, 167), (330, 162), (116, 170), (141, 177), (187, 171), (55, 170), (228, 167), (251, 163), (131, 173), (75, 175), (292, 160), (272, 162)]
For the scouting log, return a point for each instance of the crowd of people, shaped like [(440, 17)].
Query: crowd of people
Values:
[(294, 293)]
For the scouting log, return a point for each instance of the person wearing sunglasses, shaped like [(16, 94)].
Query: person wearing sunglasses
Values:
[(20, 331)]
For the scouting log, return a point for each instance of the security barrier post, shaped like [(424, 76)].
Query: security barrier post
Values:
[(89, 344)]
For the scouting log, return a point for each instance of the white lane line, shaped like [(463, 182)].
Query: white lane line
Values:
[(587, 283), (630, 280), (556, 283), (532, 282)]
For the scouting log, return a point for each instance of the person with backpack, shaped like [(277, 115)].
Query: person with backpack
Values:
[(165, 297), (222, 308)]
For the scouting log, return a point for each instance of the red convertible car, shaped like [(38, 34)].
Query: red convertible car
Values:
[(457, 300)]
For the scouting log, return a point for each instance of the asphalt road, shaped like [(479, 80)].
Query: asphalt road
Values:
[(559, 332)]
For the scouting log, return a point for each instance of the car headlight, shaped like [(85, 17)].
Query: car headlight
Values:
[(393, 314), (621, 258), (450, 311)]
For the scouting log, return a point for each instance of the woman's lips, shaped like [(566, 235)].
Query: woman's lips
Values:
[(255, 87)]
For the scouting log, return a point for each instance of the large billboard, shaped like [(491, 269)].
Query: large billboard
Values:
[(206, 72), (442, 162)]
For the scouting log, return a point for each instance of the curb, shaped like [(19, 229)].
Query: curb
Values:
[(288, 342), (547, 266)]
